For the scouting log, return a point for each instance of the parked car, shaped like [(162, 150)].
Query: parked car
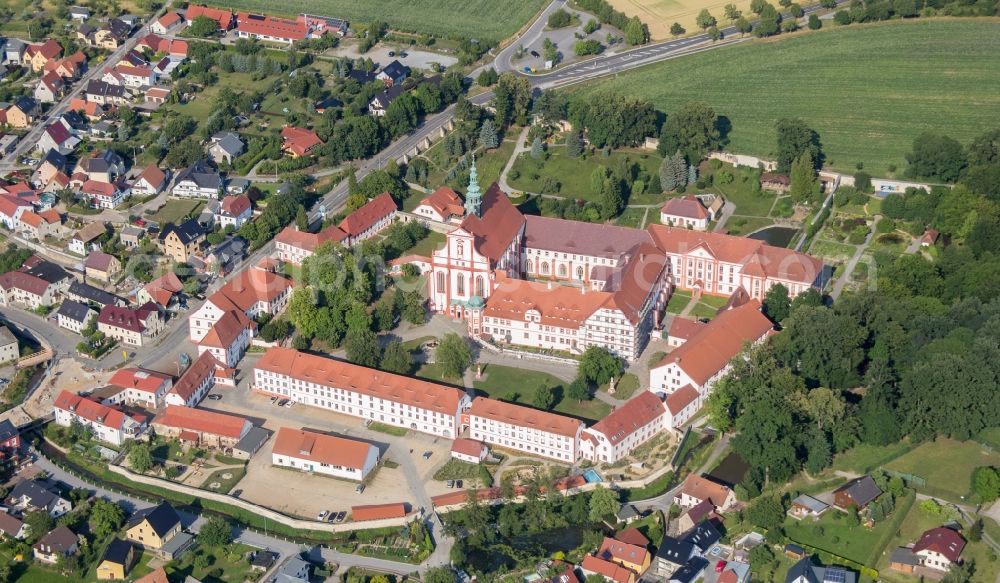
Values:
[(323, 515), (214, 397), (427, 455), (274, 400), (340, 516), (535, 54), (359, 489), (720, 566), (450, 483), (392, 53), (458, 483), (282, 402), (289, 403)]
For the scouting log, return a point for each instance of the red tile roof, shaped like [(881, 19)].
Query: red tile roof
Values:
[(701, 488), (941, 540), (684, 328), (688, 207), (708, 351), (202, 368), (236, 205), (258, 24), (616, 550), (169, 19), (293, 237), (140, 379), (90, 410), (299, 141), (124, 318), (445, 201), (635, 414), (163, 288), (50, 49), (681, 398), (632, 536), (351, 377), (157, 576), (223, 17), (227, 330), (10, 204), (371, 213), (25, 282), (96, 187), (525, 417), (498, 225), (610, 570), (469, 447), (252, 285), (378, 511), (203, 421), (321, 448)]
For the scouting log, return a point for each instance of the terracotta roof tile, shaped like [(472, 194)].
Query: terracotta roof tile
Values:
[(299, 141), (635, 414), (321, 448), (140, 379), (378, 511), (688, 207), (445, 201), (203, 421), (701, 488), (681, 398), (525, 417), (499, 224), (372, 212)]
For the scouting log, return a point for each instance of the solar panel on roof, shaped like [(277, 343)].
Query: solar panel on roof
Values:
[(835, 575)]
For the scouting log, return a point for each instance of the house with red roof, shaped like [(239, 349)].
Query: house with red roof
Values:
[(140, 386), (298, 141), (685, 211), (107, 423), (539, 433), (320, 453), (443, 205), (637, 421), (105, 195), (229, 337), (40, 225), (11, 209), (197, 380), (151, 181), (234, 210), (101, 266), (49, 88), (636, 558), (939, 548), (369, 220), (469, 450), (132, 326), (294, 246), (254, 291), (167, 22), (225, 18), (161, 291), (696, 489), (38, 55), (682, 329), (611, 571), (26, 289), (378, 511), (270, 28), (200, 427)]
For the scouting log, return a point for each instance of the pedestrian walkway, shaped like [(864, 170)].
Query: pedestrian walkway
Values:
[(519, 148)]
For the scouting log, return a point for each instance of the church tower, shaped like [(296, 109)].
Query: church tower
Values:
[(473, 196)]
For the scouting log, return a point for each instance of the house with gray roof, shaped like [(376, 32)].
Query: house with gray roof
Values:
[(806, 572), (225, 147), (858, 492), (198, 180), (805, 506), (74, 316)]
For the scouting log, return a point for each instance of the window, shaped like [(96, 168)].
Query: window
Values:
[(562, 270), (441, 282), (545, 267), (480, 286), (579, 272), (460, 284), (527, 266)]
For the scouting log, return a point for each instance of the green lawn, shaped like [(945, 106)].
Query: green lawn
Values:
[(387, 429), (224, 564), (946, 465), (455, 469), (427, 245), (633, 217), (518, 386), (741, 191), (177, 210), (831, 251), (832, 533), (225, 484), (864, 458), (486, 20), (573, 174), (991, 437), (678, 300), (739, 225), (867, 90)]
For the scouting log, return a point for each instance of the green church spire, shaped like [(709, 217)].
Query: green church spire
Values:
[(473, 196)]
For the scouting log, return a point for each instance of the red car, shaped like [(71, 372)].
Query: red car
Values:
[(720, 566), (140, 223)]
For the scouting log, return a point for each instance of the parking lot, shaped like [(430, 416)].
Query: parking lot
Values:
[(304, 495)]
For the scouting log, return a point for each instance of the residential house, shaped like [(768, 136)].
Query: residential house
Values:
[(681, 558), (103, 166), (74, 316), (49, 88), (13, 51), (182, 242), (295, 246), (154, 528), (939, 548), (694, 515), (166, 23), (298, 141), (443, 205), (685, 211), (697, 489), (117, 560), (89, 109), (104, 93), (12, 527), (11, 209), (806, 572), (79, 13), (68, 68), (225, 147), (929, 237), (57, 138), (93, 296), (383, 99), (161, 290), (40, 225), (131, 236), (369, 220), (637, 421), (201, 427), (199, 181), (108, 423), (314, 452), (31, 291), (858, 492), (102, 266), (294, 570), (228, 338), (253, 292), (633, 557), (36, 56), (682, 329), (110, 35), (393, 74), (805, 506), (20, 114), (611, 571), (778, 183), (197, 380), (29, 495), (159, 575), (130, 76), (469, 450), (225, 18), (87, 238), (140, 386), (234, 210), (130, 326), (9, 347), (272, 29), (149, 182), (104, 195), (157, 95), (61, 542)]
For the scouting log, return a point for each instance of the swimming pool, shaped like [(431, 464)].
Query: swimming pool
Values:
[(592, 476)]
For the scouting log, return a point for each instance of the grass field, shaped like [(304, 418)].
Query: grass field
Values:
[(486, 20), (946, 464), (518, 386), (863, 88), (574, 174), (176, 210), (856, 543), (864, 458), (660, 14)]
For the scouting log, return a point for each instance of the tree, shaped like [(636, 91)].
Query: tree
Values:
[(536, 148), (301, 219), (579, 390), (454, 355), (140, 458), (743, 25), (488, 135), (106, 517), (38, 522), (603, 503), (776, 303), (676, 29), (767, 511), (440, 575), (395, 358), (202, 26), (705, 19), (732, 13), (692, 130), (679, 165), (488, 77), (587, 47), (714, 33), (802, 180), (598, 366), (936, 157), (814, 22), (216, 532), (544, 397), (362, 347), (560, 19), (758, 6), (794, 139), (511, 99), (986, 483), (574, 143), (636, 32), (668, 177), (863, 182)]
